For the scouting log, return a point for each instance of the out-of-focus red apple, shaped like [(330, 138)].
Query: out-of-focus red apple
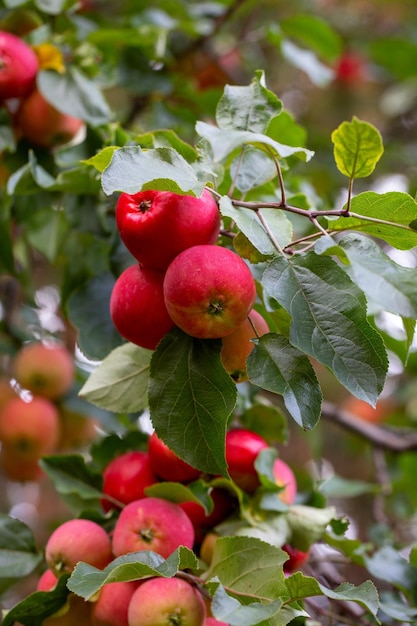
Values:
[(112, 605), (18, 67), (42, 124), (223, 505), (285, 478), (242, 448)]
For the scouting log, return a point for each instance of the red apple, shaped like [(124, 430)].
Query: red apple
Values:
[(156, 226), (238, 345), (212, 621), (18, 67), (18, 469), (242, 448), (152, 524), (77, 540), (46, 369), (284, 477), (112, 605), (209, 291), (167, 465), (47, 581), (29, 429), (351, 68), (76, 611), (223, 505), (76, 430), (126, 477), (137, 306), (42, 124), (296, 560), (166, 601)]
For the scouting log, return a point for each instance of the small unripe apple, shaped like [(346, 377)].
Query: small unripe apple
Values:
[(165, 602), (112, 605), (207, 547), (239, 344), (126, 477), (152, 524), (29, 428), (42, 124), (45, 369), (209, 291), (167, 465), (18, 67), (242, 448), (285, 478), (137, 306), (156, 226), (77, 540)]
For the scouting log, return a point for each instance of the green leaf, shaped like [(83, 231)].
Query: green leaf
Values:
[(236, 559), (6, 247), (388, 565), (339, 487), (392, 216), (120, 382), (224, 607), (97, 334), (250, 225), (252, 169), (79, 486), (314, 32), (87, 580), (74, 94), (357, 148), (247, 108), (37, 606), (18, 554), (274, 364), (132, 169), (102, 159), (191, 398), (267, 420), (308, 524), (329, 321), (224, 142), (385, 283)]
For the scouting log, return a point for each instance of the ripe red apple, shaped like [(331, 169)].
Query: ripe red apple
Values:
[(167, 465), (42, 124), (18, 469), (112, 605), (77, 540), (152, 524), (126, 477), (46, 581), (212, 621), (238, 345), (351, 68), (296, 560), (242, 448), (137, 306), (46, 369), (18, 67), (223, 505), (29, 429), (166, 601), (284, 477), (156, 226), (209, 291)]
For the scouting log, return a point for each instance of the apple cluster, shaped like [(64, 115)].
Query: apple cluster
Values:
[(32, 116), (182, 278), (150, 522), (33, 420)]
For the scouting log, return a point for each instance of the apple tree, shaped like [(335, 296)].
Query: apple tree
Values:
[(291, 475)]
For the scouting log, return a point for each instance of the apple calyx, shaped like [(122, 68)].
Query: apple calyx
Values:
[(174, 619), (146, 534), (144, 205)]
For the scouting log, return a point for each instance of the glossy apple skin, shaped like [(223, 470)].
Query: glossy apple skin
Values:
[(42, 124), (46, 581), (112, 605), (77, 540), (223, 505), (29, 429), (242, 448), (238, 345), (167, 465), (212, 621), (126, 477), (156, 226), (45, 369), (166, 601), (209, 291), (284, 477), (18, 67), (152, 524), (137, 306)]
